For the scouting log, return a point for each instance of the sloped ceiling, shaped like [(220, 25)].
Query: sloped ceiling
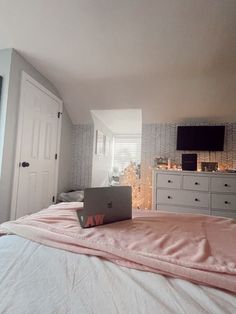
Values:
[(121, 121), (174, 59)]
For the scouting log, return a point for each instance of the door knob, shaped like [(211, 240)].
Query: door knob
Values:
[(25, 164)]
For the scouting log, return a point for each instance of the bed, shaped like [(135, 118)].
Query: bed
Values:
[(56, 278)]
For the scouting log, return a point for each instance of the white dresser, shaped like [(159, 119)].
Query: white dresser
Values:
[(210, 193)]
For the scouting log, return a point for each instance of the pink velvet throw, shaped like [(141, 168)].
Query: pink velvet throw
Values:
[(198, 248)]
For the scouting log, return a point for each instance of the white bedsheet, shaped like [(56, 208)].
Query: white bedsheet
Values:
[(39, 279)]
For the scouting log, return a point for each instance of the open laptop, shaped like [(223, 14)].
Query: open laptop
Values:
[(104, 205)]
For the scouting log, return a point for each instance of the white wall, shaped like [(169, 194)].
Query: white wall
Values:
[(18, 64), (5, 63), (101, 164)]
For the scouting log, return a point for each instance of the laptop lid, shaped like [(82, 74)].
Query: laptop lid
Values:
[(104, 205)]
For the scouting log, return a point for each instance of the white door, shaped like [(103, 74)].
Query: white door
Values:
[(37, 164)]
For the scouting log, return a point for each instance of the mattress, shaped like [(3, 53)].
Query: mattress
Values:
[(197, 248), (38, 279)]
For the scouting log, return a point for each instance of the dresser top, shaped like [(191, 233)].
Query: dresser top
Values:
[(203, 173)]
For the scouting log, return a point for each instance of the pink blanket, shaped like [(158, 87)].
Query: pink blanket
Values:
[(198, 248)]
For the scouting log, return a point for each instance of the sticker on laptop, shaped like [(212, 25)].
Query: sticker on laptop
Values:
[(93, 220)]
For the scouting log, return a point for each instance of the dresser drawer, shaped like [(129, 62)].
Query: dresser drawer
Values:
[(196, 183), (223, 185), (169, 181), (223, 201), (196, 199), (169, 197), (184, 198)]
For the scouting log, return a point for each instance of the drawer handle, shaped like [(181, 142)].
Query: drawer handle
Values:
[(169, 197), (226, 202), (197, 200), (196, 183), (169, 181), (226, 184)]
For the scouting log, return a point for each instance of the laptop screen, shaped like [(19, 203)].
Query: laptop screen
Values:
[(104, 205)]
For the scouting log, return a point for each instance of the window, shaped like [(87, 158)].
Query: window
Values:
[(127, 148)]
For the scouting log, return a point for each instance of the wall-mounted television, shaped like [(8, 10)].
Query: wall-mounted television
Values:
[(201, 138)]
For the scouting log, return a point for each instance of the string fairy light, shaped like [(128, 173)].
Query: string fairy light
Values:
[(141, 189)]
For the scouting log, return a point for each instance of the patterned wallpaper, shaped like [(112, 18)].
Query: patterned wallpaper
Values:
[(160, 140), (82, 155), (157, 140)]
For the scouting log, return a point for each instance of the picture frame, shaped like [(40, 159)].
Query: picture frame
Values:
[(99, 143), (209, 166)]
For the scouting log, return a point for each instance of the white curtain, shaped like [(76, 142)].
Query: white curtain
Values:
[(127, 148)]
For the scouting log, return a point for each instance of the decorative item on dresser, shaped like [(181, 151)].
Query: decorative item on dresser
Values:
[(210, 193)]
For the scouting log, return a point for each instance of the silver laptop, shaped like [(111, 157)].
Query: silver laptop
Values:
[(104, 205)]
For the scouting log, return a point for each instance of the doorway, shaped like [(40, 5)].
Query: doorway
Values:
[(38, 140), (117, 149)]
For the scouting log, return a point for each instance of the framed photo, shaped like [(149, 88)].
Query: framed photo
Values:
[(99, 143), (209, 166)]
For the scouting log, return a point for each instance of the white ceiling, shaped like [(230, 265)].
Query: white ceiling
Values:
[(123, 121), (174, 59)]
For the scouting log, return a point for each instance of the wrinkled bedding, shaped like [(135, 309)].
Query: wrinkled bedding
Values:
[(39, 279), (194, 247)]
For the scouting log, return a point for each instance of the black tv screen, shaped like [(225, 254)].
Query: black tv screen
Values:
[(204, 138)]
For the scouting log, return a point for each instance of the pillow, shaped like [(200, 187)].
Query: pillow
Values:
[(75, 196)]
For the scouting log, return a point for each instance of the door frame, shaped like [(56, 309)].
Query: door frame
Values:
[(24, 78)]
